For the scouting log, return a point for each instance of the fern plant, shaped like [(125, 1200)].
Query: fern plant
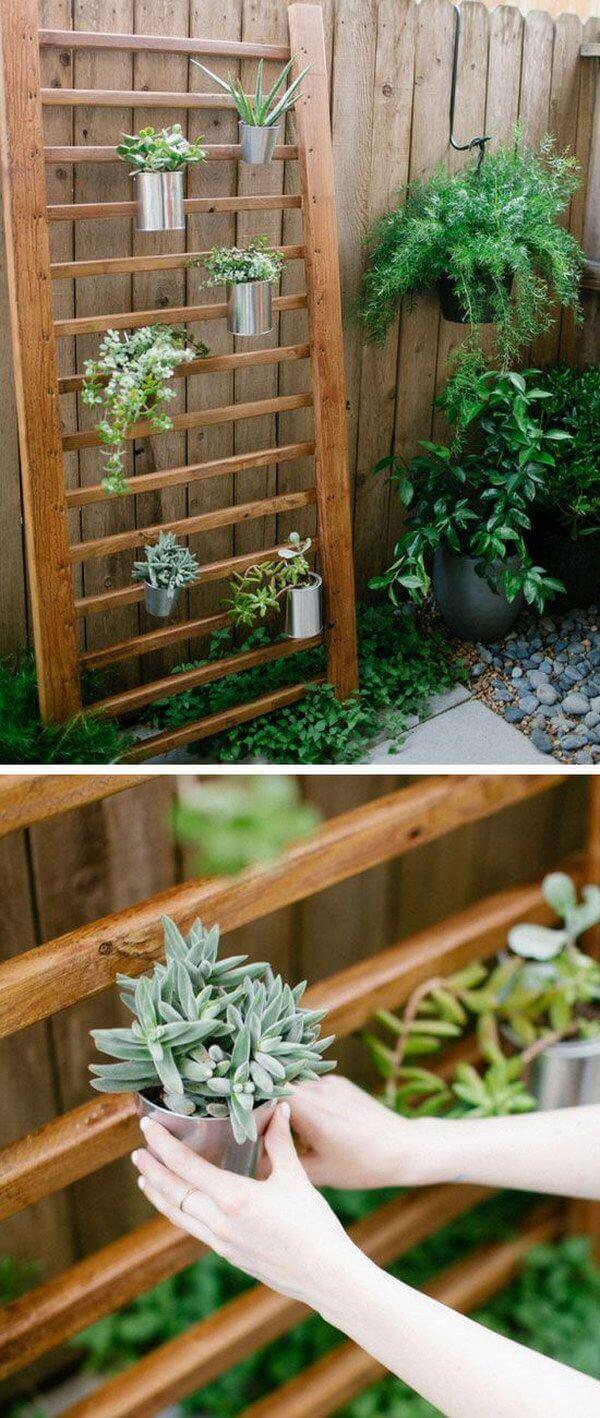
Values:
[(211, 1038), (168, 564), (494, 233)]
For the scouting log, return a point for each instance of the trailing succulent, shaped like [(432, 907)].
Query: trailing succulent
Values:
[(544, 990), (257, 591), (166, 150), (130, 379), (259, 110), (168, 564), (211, 1038), (232, 265), (494, 233)]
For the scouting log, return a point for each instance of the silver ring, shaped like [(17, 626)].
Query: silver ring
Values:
[(189, 1192)]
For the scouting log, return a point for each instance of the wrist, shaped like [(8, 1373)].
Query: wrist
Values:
[(423, 1151), (346, 1270)]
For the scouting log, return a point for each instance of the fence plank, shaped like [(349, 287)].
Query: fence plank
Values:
[(564, 99), (30, 798)]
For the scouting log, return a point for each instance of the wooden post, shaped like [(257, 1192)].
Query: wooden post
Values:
[(307, 44), (35, 370)]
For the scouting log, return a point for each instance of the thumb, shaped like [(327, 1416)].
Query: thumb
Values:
[(278, 1140)]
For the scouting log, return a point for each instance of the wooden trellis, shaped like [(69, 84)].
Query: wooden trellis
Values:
[(38, 983), (57, 613)]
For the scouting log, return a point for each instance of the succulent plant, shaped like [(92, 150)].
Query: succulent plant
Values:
[(258, 590), (546, 990), (233, 825), (168, 564), (211, 1038)]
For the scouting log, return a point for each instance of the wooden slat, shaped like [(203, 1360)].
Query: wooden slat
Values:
[(346, 1371), (225, 1337), (200, 418), (212, 364), (75, 1144), (215, 571), (182, 314), (194, 472), (125, 265), (189, 526), (217, 723), (42, 981), (169, 685), (153, 640), (34, 360), (325, 320), (81, 39), (215, 152), (29, 798), (132, 98), (102, 211)]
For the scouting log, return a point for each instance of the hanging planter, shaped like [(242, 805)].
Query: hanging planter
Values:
[(214, 1045), (259, 113), (567, 1074), (261, 590), (304, 609), (453, 308), (167, 569), (159, 160), (248, 276), (250, 308)]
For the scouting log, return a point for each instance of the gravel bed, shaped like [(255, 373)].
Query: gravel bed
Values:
[(544, 677)]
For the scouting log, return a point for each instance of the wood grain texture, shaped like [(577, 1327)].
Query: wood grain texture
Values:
[(217, 723), (162, 44), (231, 413), (107, 211), (85, 961), (196, 472), (223, 517), (31, 798), (154, 640), (214, 152)]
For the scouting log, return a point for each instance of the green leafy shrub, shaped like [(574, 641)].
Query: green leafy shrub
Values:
[(235, 825), (168, 564), (494, 233), (130, 379), (399, 669), (166, 150), (570, 493), (259, 110), (233, 265), (25, 739), (257, 592), (477, 501)]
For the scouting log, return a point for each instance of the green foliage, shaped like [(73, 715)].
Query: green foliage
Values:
[(259, 110), (168, 564), (399, 669), (546, 990), (258, 591), (235, 825), (16, 1277), (25, 739), (494, 232), (167, 150), (214, 1037), (571, 490), (478, 502), (233, 265), (130, 379)]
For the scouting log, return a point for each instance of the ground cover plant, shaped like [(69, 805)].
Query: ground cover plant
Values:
[(399, 669), (543, 990), (163, 150), (494, 233), (260, 109), (24, 738)]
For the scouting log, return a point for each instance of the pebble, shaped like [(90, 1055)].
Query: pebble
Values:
[(517, 673), (477, 669), (547, 694), (542, 741), (576, 704), (570, 742), (584, 756), (592, 719), (529, 703), (513, 714), (537, 677)]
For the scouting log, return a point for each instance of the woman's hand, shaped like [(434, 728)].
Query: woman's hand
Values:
[(278, 1230), (350, 1140)]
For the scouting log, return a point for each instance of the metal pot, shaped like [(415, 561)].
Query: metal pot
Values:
[(468, 606), (250, 308), (258, 144), (211, 1138), (304, 609), (159, 197), (567, 1074), (160, 600)]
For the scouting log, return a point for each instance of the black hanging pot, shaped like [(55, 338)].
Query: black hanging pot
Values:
[(451, 305), (574, 561)]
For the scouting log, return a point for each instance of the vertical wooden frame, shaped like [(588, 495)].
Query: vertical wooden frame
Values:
[(35, 367), (307, 43)]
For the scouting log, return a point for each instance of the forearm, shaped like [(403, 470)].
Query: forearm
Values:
[(454, 1363), (556, 1152)]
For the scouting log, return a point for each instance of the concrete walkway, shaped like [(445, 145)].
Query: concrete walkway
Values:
[(459, 729)]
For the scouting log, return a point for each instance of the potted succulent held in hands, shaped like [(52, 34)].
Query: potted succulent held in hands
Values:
[(261, 588), (260, 115), (249, 276), (469, 512), (130, 379), (213, 1045), (536, 1013), (167, 569), (158, 161)]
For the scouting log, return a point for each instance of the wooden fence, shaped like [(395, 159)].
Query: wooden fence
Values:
[(390, 65), (341, 880)]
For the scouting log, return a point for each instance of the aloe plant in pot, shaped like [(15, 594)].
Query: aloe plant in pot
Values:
[(214, 1044), (159, 160), (248, 276), (260, 114)]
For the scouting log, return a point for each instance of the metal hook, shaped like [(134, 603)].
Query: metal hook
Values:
[(475, 142)]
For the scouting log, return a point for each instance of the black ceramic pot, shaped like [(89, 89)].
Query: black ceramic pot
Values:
[(467, 605)]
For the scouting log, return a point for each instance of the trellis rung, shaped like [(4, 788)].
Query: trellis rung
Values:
[(179, 314), (200, 418), (153, 640), (131, 98), (190, 526), (215, 152), (193, 473), (165, 44), (217, 723), (100, 211), (130, 265), (212, 364)]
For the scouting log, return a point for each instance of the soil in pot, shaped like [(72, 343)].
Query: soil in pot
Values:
[(451, 307), (574, 561), (211, 1138), (467, 605)]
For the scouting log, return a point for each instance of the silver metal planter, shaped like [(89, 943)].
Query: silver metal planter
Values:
[(258, 144), (250, 308), (160, 600), (467, 605), (212, 1138), (159, 197), (567, 1074), (304, 609)]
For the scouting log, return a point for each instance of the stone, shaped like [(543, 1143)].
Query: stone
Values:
[(576, 704), (592, 719), (542, 741), (584, 756), (547, 694), (517, 673), (571, 742), (545, 667), (593, 687), (537, 677), (571, 675), (595, 704), (477, 669), (513, 714), (529, 703)]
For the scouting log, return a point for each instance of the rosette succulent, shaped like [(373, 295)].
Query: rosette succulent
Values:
[(168, 564), (211, 1038)]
